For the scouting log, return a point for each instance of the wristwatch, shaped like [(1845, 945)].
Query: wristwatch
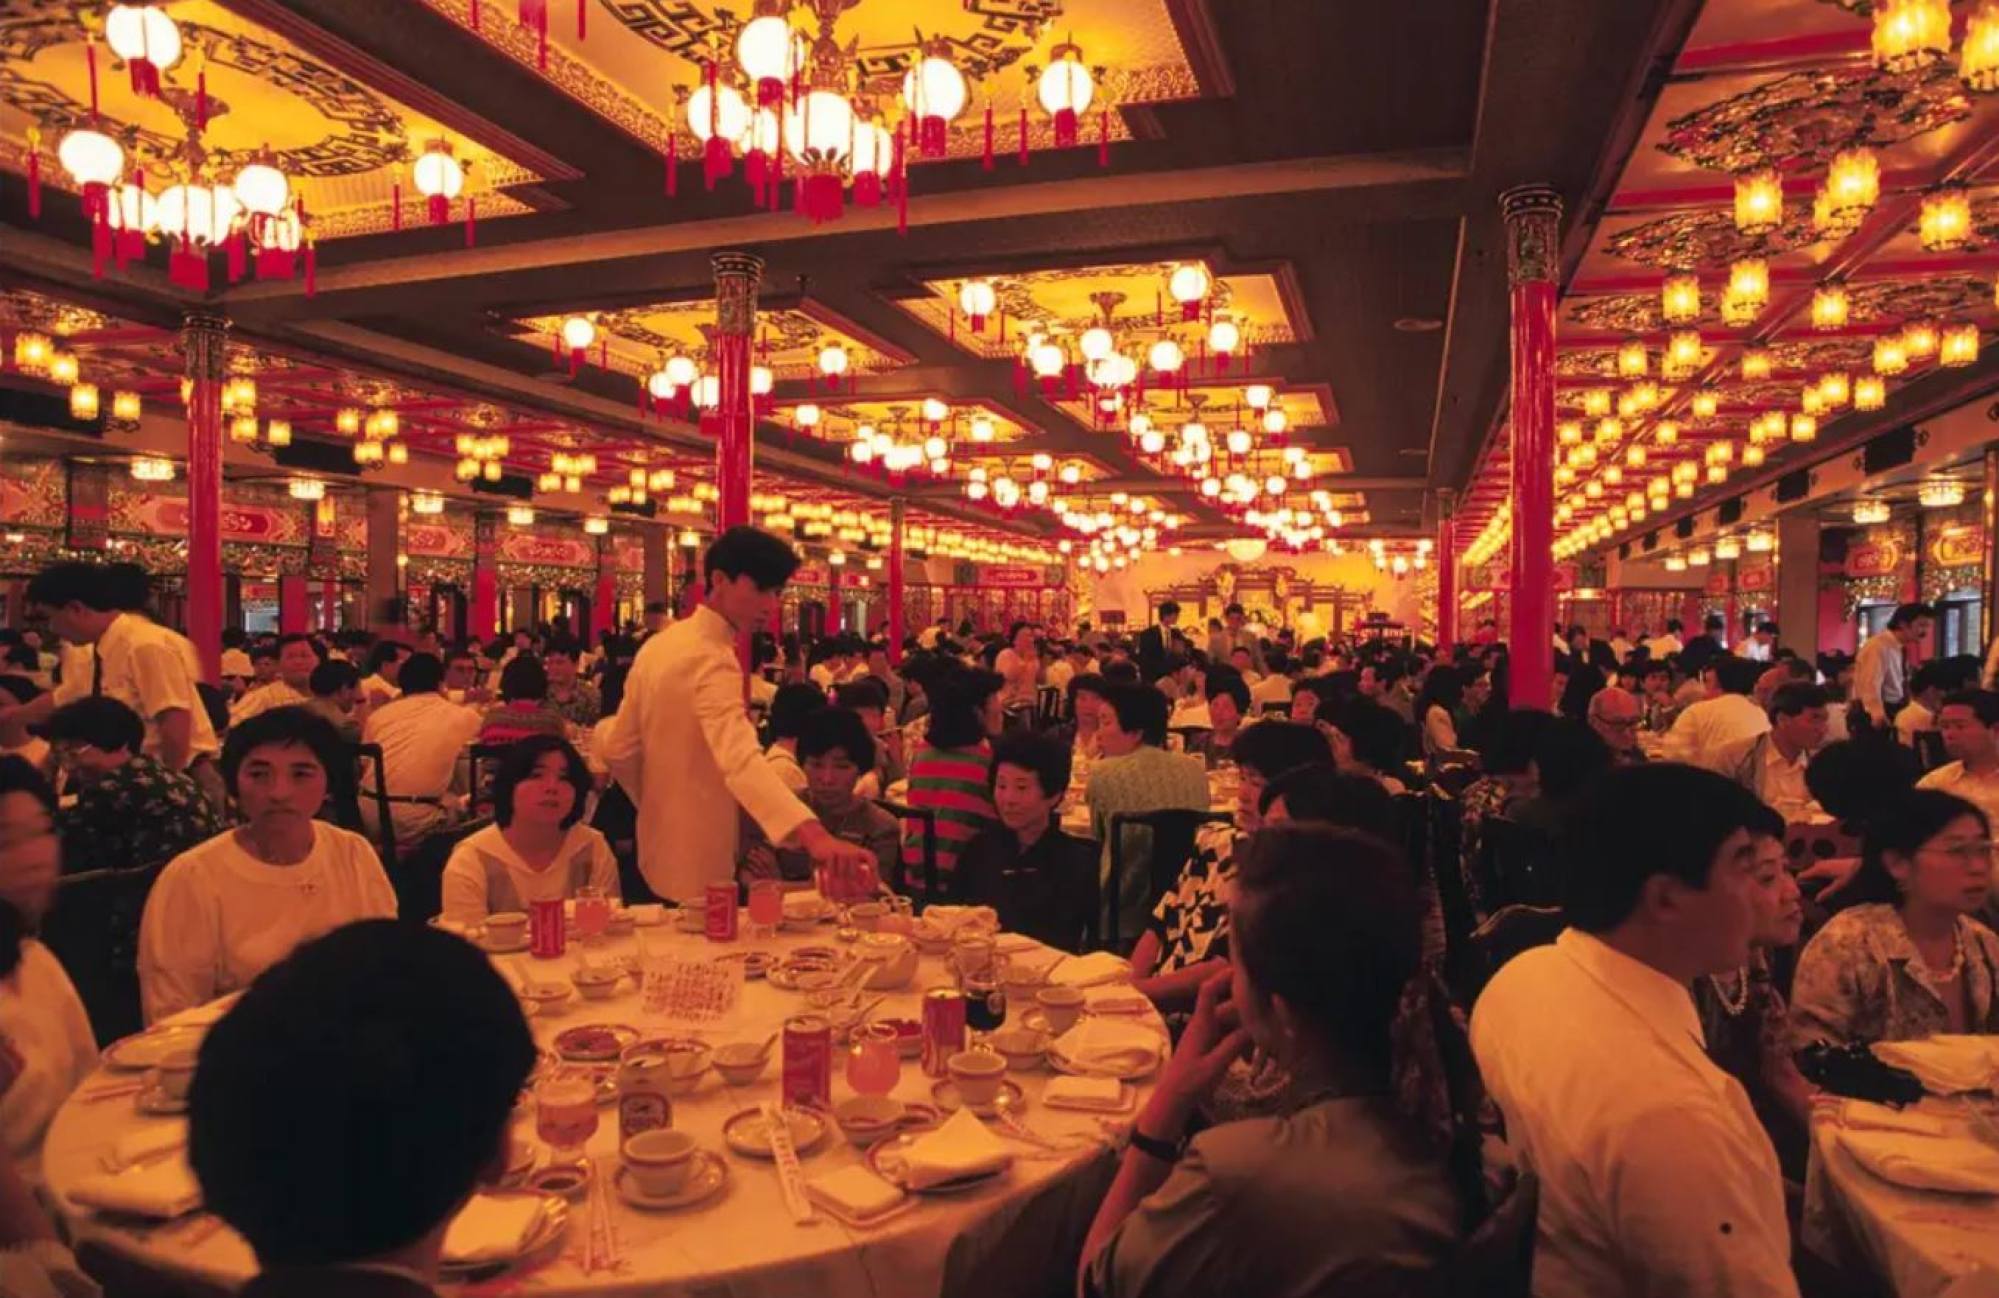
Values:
[(1166, 1151)]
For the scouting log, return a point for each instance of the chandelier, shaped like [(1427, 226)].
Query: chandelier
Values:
[(426, 503), (481, 457), (566, 471)]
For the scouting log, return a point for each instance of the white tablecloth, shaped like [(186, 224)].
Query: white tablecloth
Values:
[(1920, 1242), (1018, 1235)]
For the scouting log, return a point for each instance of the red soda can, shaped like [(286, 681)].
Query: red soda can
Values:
[(546, 936), (808, 1062), (721, 912), (943, 1029)]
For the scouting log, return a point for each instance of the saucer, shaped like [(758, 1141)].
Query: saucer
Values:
[(154, 1102), (564, 1180), (510, 948), (945, 1091), (146, 1049), (554, 1224), (707, 1178), (746, 1134), (593, 1043)]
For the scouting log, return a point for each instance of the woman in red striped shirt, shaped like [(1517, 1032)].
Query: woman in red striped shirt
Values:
[(950, 773)]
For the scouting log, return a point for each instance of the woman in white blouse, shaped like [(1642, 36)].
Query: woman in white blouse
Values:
[(537, 849), (1443, 691), (225, 911)]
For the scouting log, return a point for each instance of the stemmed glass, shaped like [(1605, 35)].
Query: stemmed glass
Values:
[(565, 1115), (874, 1061)]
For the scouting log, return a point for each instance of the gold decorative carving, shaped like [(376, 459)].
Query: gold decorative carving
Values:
[(1533, 216), (1798, 121), (737, 275)]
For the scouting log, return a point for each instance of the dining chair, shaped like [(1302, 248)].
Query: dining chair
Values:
[(1506, 933), (927, 818), (1167, 846), (418, 877), (368, 760), (93, 929), (1518, 864)]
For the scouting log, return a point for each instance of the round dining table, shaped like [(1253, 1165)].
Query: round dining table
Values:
[(1017, 1234)]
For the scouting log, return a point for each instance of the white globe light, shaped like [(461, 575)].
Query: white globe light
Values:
[(438, 175), (659, 385), (708, 392), (1166, 356), (935, 448), (1194, 432), (833, 360), (142, 32), (578, 333), (680, 371), (874, 150), (1275, 421), (1139, 423), (132, 208), (1273, 485), (934, 88), (1188, 283), (977, 299), (1257, 396), (982, 429), (90, 157), (262, 189), (1238, 441), (721, 112), (1223, 336), (862, 452), (1121, 369), (806, 416), (1096, 343), (821, 129), (766, 49), (1152, 441), (282, 232), (761, 134), (202, 214), (975, 491), (1037, 492), (1047, 360), (761, 380), (1065, 86)]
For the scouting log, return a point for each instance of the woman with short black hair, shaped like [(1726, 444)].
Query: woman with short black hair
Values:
[(537, 849)]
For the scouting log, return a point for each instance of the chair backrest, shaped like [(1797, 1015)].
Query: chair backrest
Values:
[(1518, 863), (1930, 752), (481, 761), (1497, 1259), (418, 877), (1506, 933), (93, 928), (374, 780), (926, 819), (1050, 707), (1160, 853), (1276, 708)]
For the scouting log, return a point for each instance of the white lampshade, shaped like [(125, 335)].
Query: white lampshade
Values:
[(1096, 343), (806, 416), (1275, 421), (132, 208), (821, 129), (1065, 86), (438, 174), (977, 298), (1238, 441), (833, 360), (201, 213), (142, 32), (1188, 283), (1047, 360), (935, 412), (874, 150), (934, 88), (1166, 356), (90, 157), (728, 116), (766, 48), (761, 380), (578, 333), (1223, 336), (262, 189), (680, 371), (982, 429), (659, 385)]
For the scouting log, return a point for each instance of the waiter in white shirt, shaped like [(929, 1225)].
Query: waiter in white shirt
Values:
[(684, 748), (1880, 672)]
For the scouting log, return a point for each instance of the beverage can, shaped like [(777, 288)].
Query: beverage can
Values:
[(721, 925), (644, 1103), (943, 1028), (808, 1062), (547, 938)]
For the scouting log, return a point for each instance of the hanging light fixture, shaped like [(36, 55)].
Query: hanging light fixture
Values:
[(520, 516), (1804, 427), (769, 51), (934, 92), (1870, 513), (1870, 392), (1978, 60), (1919, 339), (1890, 356), (440, 178), (1223, 338), (1680, 299), (152, 468), (64, 369), (1065, 89), (1910, 35), (427, 503), (1958, 346), (1945, 224), (126, 407), (83, 401), (1941, 493), (977, 298), (596, 524), (1683, 353), (1631, 362), (577, 332), (146, 40), (1835, 389), (1829, 307), (1748, 287), (307, 489), (1704, 403), (1852, 187), (1188, 284), (1759, 202)]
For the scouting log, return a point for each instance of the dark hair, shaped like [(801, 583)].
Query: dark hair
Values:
[(1328, 919), (1936, 674), (523, 678), (23, 689), (299, 637), (73, 581), (1378, 736), (1640, 821), (1901, 825), (1048, 758), (1793, 697), (403, 1049), (332, 676), (1907, 613), (1569, 755), (1654, 667), (1319, 687), (517, 763), (264, 652), (1088, 683), (1443, 688), (1168, 609), (824, 729), (384, 653), (867, 692), (955, 705), (1735, 675), (1272, 748), (1714, 622), (1853, 778), (1227, 681), (294, 726), (790, 706), (745, 551), (1141, 710), (422, 674), (1320, 794), (100, 721), (1124, 672), (1984, 704), (17, 775)]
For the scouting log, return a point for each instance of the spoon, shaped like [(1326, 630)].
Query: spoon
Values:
[(763, 1051)]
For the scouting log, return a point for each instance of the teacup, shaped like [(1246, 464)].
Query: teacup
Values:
[(175, 1073), (1022, 1048), (546, 997), (685, 1062), (596, 983), (867, 1118), (504, 928), (741, 1062), (1061, 1006), (978, 1074), (692, 919), (659, 1160), (867, 916)]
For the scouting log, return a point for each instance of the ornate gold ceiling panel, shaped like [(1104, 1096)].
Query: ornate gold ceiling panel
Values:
[(22, 308), (1221, 407), (1705, 238), (839, 417), (788, 340), (637, 53), (1938, 297), (1798, 121), (1815, 355), (343, 143)]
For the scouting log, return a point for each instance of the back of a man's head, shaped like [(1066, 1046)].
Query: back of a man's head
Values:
[(1735, 675), (1634, 822), (349, 1103), (744, 551)]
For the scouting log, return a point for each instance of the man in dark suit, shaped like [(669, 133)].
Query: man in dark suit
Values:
[(1155, 643), (346, 1108)]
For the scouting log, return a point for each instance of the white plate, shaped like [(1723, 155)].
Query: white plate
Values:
[(707, 1178), (511, 948), (156, 1103), (745, 1133), (1126, 1099), (886, 1161), (147, 1049), (554, 1224), (950, 1099)]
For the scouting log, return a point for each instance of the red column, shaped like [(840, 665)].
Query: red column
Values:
[(736, 278), (1447, 576), (204, 345), (484, 615), (604, 604), (1533, 216), (896, 625), (292, 598)]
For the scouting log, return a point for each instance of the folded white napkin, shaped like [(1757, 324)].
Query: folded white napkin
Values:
[(1924, 1162), (1014, 943), (1946, 1064), (1091, 970), (805, 905), (961, 1147), (1864, 1115), (492, 1228), (146, 1144), (1111, 1047), (161, 1190), (1083, 1093), (960, 919), (855, 1192), (1116, 998)]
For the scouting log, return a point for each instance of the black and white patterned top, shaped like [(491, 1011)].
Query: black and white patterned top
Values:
[(1192, 919)]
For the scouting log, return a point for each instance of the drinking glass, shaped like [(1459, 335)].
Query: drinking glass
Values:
[(874, 1062), (565, 1115), (766, 907), (593, 913), (985, 1001), (972, 955)]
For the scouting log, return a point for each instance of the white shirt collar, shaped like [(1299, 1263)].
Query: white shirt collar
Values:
[(1657, 1000)]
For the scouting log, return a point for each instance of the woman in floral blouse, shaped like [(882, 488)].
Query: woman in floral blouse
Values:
[(129, 809), (1910, 962)]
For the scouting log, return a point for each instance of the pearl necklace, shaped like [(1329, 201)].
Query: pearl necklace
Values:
[(1957, 958), (1731, 1005)]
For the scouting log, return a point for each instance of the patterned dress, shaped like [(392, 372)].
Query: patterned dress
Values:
[(583, 707), (1192, 919), (140, 814), (1860, 979)]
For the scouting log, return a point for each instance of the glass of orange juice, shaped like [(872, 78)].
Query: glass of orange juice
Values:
[(874, 1064), (565, 1114)]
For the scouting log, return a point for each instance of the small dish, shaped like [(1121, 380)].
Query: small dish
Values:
[(546, 997), (146, 1049), (1023, 1048), (950, 1099), (569, 1181), (740, 1063), (887, 1160), (597, 983), (620, 923), (554, 1224), (595, 1043), (754, 964), (746, 1133), (707, 1178), (495, 946)]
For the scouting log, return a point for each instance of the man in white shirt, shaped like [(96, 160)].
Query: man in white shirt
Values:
[(1620, 643), (1880, 672), (1667, 642), (297, 657), (1726, 716), (131, 659), (1656, 1177), (382, 680), (684, 748), (1772, 765), (422, 735), (1762, 645), (1969, 722), (1927, 686)]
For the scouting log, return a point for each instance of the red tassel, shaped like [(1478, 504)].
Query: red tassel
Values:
[(672, 163), (90, 57), (582, 19), (823, 196), (541, 42), (716, 160), (575, 360), (440, 209), (933, 136), (275, 263), (201, 100), (776, 190), (867, 189), (100, 246), (1065, 128), (475, 15), (471, 222), (396, 204), (902, 177), (311, 269), (1023, 133), (987, 160), (754, 166), (235, 247), (1104, 138), (188, 269), (604, 352), (35, 181)]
